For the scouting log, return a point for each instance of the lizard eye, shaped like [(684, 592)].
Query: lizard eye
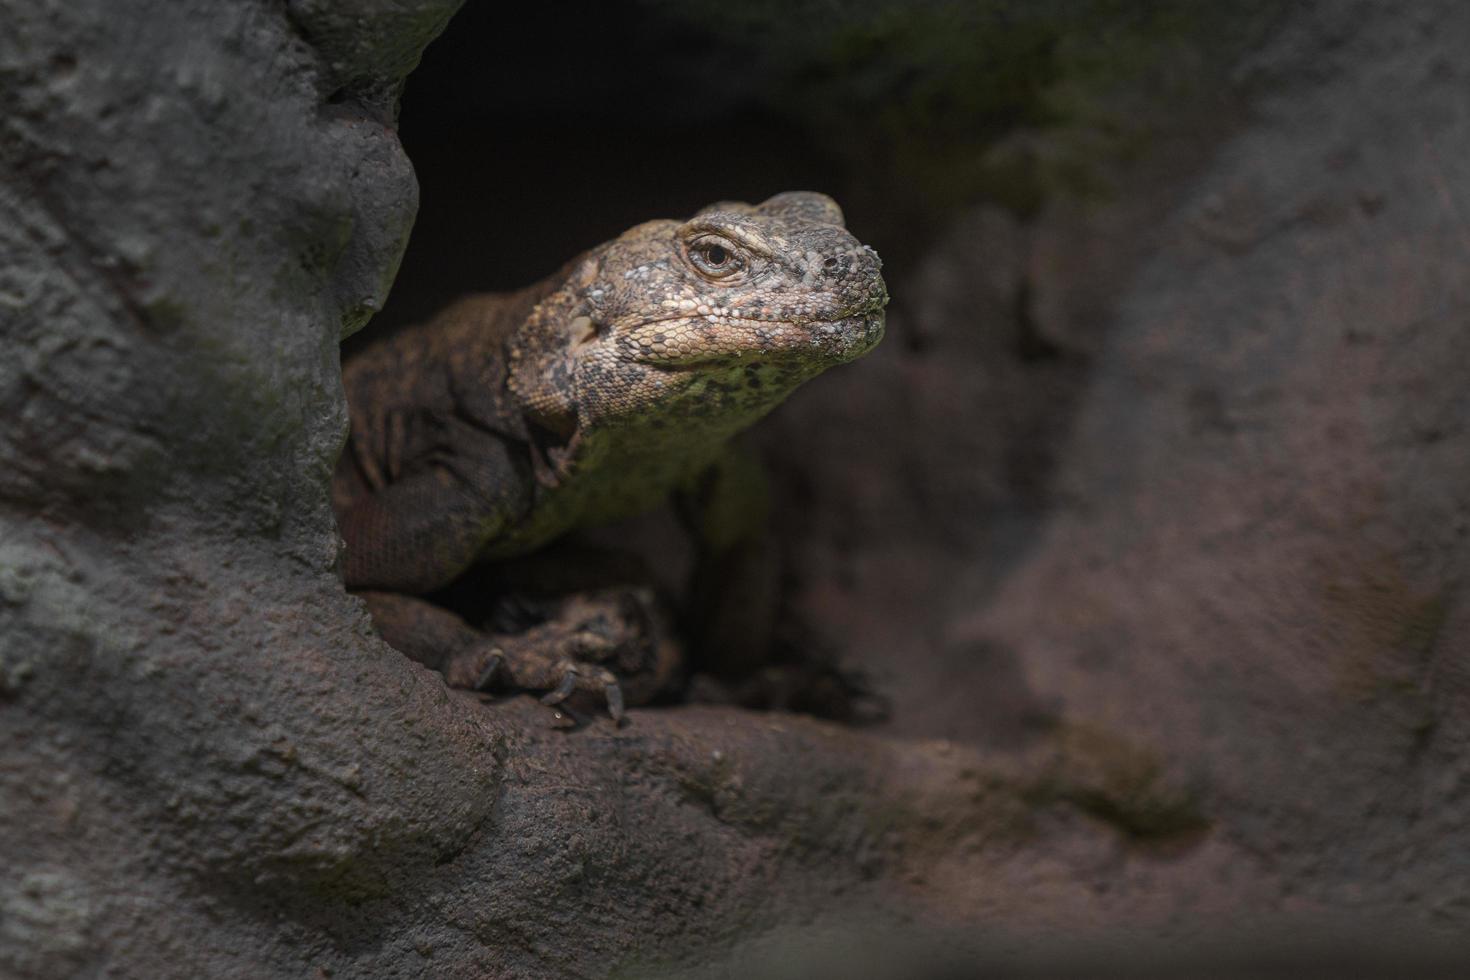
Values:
[(715, 258)]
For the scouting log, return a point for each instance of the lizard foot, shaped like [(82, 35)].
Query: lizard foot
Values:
[(505, 665), (608, 647)]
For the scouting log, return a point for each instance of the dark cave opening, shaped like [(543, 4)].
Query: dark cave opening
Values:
[(528, 151)]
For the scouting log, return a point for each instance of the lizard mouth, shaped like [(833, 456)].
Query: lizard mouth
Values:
[(692, 342), (858, 333)]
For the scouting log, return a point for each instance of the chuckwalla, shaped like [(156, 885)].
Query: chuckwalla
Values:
[(511, 419)]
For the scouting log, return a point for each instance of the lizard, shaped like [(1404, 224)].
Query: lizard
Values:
[(510, 419)]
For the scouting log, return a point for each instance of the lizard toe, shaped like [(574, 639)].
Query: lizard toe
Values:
[(564, 687), (493, 664)]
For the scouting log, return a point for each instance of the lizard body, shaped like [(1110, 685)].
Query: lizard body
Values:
[(509, 420)]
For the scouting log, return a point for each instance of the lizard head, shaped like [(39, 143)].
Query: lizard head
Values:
[(717, 317)]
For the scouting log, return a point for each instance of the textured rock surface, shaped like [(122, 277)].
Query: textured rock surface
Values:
[(1254, 538), (1151, 514)]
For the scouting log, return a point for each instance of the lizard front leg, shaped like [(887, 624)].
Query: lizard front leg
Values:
[(425, 527), (576, 650)]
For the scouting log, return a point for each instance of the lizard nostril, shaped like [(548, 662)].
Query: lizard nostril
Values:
[(831, 264), (581, 331)]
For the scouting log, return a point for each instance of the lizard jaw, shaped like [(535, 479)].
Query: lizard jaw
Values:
[(693, 342)]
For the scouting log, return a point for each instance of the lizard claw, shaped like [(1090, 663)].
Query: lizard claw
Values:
[(614, 695), (564, 689), (497, 659), (573, 680)]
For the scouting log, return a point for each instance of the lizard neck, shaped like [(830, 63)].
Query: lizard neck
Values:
[(616, 468)]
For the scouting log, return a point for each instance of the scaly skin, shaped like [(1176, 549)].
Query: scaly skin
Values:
[(510, 420)]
